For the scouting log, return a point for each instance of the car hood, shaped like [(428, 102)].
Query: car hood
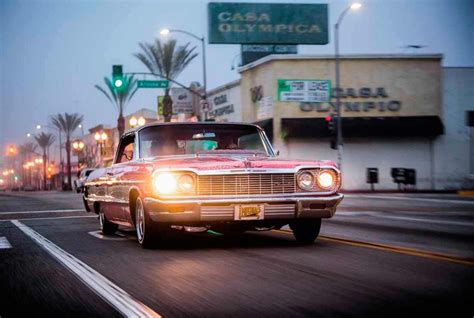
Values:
[(207, 163)]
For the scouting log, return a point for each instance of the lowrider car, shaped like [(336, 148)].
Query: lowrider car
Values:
[(220, 176)]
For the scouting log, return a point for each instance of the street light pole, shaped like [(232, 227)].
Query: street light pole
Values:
[(203, 46), (339, 140)]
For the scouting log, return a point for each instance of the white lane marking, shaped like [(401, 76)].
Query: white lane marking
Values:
[(404, 218), (359, 196), (114, 295), (4, 244), (45, 211), (53, 218), (118, 236)]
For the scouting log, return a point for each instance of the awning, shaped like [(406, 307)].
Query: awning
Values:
[(416, 126)]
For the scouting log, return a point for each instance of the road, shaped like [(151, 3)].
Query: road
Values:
[(382, 255)]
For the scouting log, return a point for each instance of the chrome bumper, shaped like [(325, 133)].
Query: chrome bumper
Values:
[(222, 209)]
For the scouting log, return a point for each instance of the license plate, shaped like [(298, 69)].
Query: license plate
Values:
[(249, 212)]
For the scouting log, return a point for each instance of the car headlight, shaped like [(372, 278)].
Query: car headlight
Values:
[(326, 179), (167, 183), (305, 180), (186, 183)]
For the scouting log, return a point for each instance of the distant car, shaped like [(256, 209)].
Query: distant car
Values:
[(220, 176), (3, 185), (79, 182)]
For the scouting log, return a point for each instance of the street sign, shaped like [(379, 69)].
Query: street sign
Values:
[(205, 106), (267, 23), (311, 91), (153, 84)]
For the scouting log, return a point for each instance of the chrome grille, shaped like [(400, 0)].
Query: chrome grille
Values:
[(246, 184)]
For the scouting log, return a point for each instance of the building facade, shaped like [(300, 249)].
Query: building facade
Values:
[(399, 111)]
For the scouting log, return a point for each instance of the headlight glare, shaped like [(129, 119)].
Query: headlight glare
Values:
[(165, 183), (326, 179)]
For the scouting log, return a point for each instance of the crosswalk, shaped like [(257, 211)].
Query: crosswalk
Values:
[(4, 243)]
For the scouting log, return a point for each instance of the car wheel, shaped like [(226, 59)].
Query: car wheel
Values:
[(306, 231), (147, 231), (106, 226)]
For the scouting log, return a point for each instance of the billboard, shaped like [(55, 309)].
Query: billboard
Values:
[(267, 23)]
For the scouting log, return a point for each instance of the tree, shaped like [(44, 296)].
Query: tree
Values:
[(167, 60), (44, 140), (68, 123), (119, 98)]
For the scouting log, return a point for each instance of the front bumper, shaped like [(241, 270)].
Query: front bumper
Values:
[(222, 209)]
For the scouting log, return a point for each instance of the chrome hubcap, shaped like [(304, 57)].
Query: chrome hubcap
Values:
[(140, 222)]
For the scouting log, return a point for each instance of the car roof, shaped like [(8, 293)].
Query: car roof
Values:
[(189, 123)]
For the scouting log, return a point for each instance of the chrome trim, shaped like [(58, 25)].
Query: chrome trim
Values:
[(249, 197), (247, 170), (234, 199)]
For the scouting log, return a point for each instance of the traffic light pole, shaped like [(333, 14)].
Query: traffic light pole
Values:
[(339, 140), (338, 99)]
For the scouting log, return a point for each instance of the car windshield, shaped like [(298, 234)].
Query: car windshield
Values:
[(171, 140)]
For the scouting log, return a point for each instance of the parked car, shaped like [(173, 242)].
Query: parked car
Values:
[(80, 181), (220, 176)]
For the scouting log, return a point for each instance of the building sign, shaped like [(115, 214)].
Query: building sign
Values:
[(251, 53), (222, 106), (365, 99), (267, 23), (182, 100), (265, 108), (225, 104), (304, 90)]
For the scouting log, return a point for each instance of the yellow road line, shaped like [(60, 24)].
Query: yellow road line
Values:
[(393, 249)]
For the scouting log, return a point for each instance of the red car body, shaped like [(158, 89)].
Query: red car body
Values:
[(236, 183)]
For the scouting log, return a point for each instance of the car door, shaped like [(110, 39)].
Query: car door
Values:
[(118, 186)]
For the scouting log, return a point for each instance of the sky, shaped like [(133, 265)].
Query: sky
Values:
[(53, 52)]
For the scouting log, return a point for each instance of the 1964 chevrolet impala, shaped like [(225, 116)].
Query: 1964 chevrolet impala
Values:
[(220, 176)]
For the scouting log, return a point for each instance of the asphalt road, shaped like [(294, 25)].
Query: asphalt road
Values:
[(382, 255)]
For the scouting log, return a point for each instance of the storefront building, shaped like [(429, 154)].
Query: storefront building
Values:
[(393, 116)]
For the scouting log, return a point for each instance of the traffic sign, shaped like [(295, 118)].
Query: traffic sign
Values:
[(205, 106), (153, 84)]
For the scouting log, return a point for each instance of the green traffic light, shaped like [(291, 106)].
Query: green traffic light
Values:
[(118, 83), (117, 77)]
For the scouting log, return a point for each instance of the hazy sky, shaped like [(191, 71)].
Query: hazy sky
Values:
[(53, 52)]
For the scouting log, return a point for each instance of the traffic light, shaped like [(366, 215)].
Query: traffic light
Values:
[(330, 120), (117, 77)]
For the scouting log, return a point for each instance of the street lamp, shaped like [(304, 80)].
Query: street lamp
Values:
[(166, 32), (101, 138), (353, 6), (133, 121)]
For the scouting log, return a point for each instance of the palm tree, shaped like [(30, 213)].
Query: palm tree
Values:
[(119, 98), (167, 60), (25, 150), (67, 123), (44, 140)]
